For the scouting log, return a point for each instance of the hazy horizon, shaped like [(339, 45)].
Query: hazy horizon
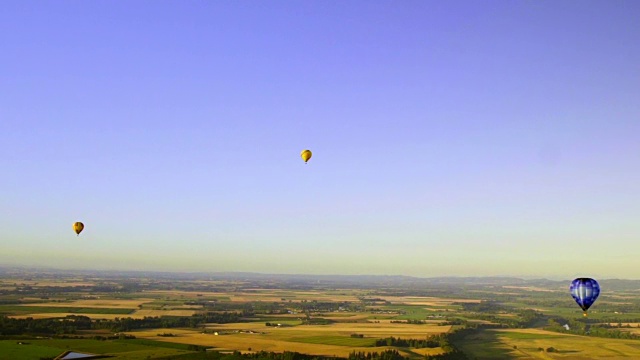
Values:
[(449, 138), (89, 270)]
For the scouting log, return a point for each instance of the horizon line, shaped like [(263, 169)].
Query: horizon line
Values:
[(213, 273)]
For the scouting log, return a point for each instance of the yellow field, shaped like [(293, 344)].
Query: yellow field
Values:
[(139, 314), (425, 300), (280, 339), (633, 325), (255, 342), (633, 330), (97, 303), (368, 329), (61, 315)]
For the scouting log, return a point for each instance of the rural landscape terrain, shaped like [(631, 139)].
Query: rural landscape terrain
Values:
[(319, 180), (137, 315)]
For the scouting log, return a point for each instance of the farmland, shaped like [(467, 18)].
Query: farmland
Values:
[(139, 316), (533, 343), (36, 349)]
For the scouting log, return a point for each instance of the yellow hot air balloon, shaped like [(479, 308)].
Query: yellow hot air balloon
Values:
[(306, 155), (77, 227)]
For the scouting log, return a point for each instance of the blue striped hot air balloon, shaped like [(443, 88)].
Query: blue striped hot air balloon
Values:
[(585, 291)]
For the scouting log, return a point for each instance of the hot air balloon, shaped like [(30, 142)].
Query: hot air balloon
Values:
[(306, 155), (585, 291), (77, 227)]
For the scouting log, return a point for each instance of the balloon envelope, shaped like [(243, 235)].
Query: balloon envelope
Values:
[(585, 291), (306, 155), (77, 227)]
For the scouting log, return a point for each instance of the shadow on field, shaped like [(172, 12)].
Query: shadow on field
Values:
[(485, 345)]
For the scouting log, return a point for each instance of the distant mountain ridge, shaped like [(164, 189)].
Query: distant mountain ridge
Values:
[(335, 280)]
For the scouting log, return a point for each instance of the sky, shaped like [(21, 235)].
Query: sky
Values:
[(449, 138)]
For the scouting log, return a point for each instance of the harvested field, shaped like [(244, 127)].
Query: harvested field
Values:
[(426, 301), (61, 315), (255, 342), (139, 314), (306, 339), (631, 325), (344, 316), (97, 303), (334, 339), (142, 313), (372, 329), (26, 310)]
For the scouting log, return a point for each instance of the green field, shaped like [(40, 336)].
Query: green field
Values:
[(505, 344), (10, 349), (155, 343), (336, 340), (412, 312), (525, 336), (95, 346), (120, 349)]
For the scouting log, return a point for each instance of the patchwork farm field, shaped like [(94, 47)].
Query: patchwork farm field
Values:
[(312, 339), (97, 309), (148, 318)]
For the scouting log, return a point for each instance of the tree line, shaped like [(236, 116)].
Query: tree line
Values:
[(584, 328), (72, 323), (431, 342)]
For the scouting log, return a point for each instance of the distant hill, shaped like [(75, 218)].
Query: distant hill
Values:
[(328, 280)]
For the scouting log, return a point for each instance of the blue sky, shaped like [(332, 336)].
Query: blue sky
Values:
[(449, 138)]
